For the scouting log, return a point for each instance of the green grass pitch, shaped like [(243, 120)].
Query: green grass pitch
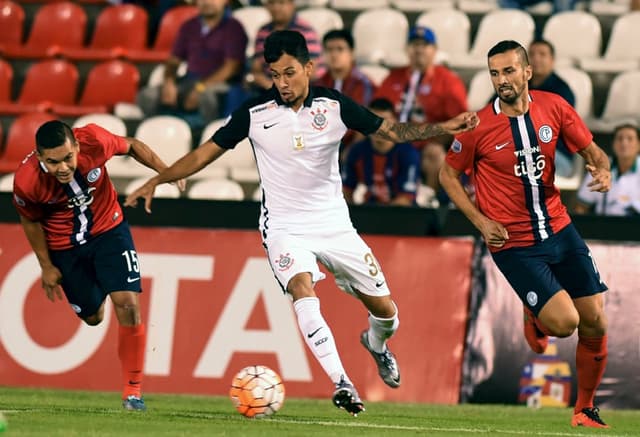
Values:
[(34, 412)]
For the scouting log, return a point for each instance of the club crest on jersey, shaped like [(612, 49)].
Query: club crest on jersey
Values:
[(94, 174), (18, 200), (532, 298), (82, 199), (319, 119), (75, 308), (284, 262), (456, 146), (545, 133)]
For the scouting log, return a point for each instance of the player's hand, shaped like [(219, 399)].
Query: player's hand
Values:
[(146, 192), (461, 123), (51, 279), (494, 233), (601, 179)]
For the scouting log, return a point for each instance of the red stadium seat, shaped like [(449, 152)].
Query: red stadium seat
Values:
[(21, 139), (6, 78), (12, 23), (119, 28), (53, 81), (107, 83), (167, 33), (56, 26)]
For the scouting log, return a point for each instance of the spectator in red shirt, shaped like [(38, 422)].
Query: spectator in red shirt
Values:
[(423, 91)]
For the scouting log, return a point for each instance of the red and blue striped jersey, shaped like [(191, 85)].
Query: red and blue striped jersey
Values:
[(512, 165), (72, 213)]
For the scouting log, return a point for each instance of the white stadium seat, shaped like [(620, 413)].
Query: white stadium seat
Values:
[(496, 26), (380, 36), (321, 19), (622, 105), (623, 52), (107, 121), (6, 183), (252, 19), (422, 5), (377, 73), (168, 136), (452, 28), (580, 84), (358, 5), (574, 35), (480, 90), (216, 189)]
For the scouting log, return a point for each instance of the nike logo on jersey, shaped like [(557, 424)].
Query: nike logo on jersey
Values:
[(130, 280), (311, 334), (269, 126), (503, 145), (379, 284)]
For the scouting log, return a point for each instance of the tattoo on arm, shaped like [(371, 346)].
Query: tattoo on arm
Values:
[(400, 132)]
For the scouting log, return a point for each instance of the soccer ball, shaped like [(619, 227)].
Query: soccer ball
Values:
[(257, 391)]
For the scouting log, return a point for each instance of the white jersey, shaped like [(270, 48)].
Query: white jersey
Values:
[(622, 199), (297, 157)]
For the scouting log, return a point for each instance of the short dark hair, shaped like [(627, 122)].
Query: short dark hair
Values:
[(382, 104), (342, 34), (627, 126), (543, 41), (286, 42), (505, 46), (53, 134)]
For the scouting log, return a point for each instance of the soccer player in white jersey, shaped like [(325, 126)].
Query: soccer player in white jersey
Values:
[(295, 131)]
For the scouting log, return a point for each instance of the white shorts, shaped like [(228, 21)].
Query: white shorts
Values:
[(344, 254)]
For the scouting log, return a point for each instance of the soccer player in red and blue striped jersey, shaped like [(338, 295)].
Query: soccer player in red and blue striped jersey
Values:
[(522, 219)]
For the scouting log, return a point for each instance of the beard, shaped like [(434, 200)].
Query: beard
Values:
[(509, 99)]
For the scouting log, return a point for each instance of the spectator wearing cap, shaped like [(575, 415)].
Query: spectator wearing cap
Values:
[(424, 92)]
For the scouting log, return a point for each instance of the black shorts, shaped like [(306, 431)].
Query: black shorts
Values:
[(103, 264), (537, 272)]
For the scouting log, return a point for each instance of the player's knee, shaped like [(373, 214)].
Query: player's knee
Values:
[(93, 320), (565, 326), (595, 322), (300, 287), (382, 307)]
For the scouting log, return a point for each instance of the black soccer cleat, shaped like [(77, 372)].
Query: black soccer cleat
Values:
[(346, 397)]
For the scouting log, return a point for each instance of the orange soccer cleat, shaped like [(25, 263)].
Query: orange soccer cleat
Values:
[(537, 339), (589, 417)]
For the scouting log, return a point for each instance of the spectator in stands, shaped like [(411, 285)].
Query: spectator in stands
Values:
[(624, 196), (423, 91), (283, 17), (343, 75), (213, 45), (544, 78), (390, 171)]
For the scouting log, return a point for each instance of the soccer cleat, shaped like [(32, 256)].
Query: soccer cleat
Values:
[(589, 417), (386, 361), (133, 403), (346, 397), (537, 339)]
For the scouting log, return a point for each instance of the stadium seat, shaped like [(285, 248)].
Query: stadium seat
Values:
[(257, 194), (422, 5), (157, 74), (452, 28), (321, 19), (252, 19), (166, 191), (109, 122), (168, 136), (572, 182), (377, 73), (167, 33), (620, 55), (6, 80), (107, 84), (358, 5), (480, 90), (6, 183), (56, 27), (580, 84), (622, 105), (12, 24), (496, 26), (21, 139), (216, 189), (380, 37), (118, 28), (239, 164), (477, 7), (574, 35), (47, 83), (608, 8)]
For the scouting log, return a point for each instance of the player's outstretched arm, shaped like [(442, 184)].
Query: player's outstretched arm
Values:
[(142, 153), (403, 132), (189, 164), (493, 232), (51, 276), (597, 163)]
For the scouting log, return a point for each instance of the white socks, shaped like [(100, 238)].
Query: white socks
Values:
[(318, 336), (380, 330)]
